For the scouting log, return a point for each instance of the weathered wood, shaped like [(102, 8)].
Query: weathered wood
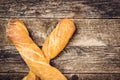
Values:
[(60, 8), (19, 76), (89, 32), (71, 60), (93, 53), (12, 76)]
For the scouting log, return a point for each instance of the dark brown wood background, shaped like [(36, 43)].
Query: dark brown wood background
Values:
[(93, 53)]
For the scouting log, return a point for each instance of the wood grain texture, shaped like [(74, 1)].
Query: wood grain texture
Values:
[(93, 53), (73, 59), (19, 76), (89, 32), (60, 8)]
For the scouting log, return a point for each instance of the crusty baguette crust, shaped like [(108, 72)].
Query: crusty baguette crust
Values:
[(37, 59), (58, 38), (31, 76), (18, 35)]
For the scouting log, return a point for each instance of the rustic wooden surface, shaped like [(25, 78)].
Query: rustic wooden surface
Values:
[(93, 53)]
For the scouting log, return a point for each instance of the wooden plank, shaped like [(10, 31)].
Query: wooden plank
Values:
[(2, 32), (73, 59), (89, 60), (12, 76), (19, 76), (12, 62), (60, 8), (89, 32), (93, 76)]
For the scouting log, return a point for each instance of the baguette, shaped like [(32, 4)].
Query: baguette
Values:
[(37, 59), (58, 38)]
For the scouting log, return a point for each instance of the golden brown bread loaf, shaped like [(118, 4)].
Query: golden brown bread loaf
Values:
[(58, 38), (31, 76), (37, 59)]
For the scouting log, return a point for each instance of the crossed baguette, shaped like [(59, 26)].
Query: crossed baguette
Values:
[(38, 59)]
